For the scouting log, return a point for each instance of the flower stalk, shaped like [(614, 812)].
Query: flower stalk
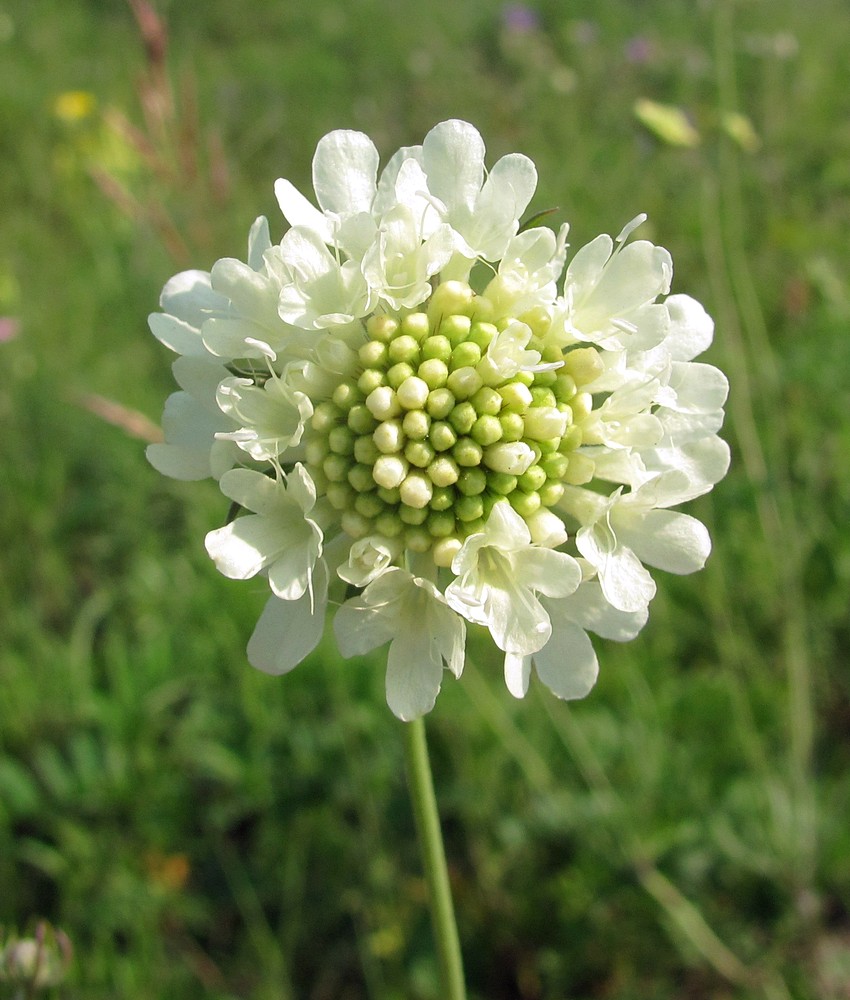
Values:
[(433, 860)]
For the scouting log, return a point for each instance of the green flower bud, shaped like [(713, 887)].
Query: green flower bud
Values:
[(388, 437), (525, 504), (404, 349), (581, 405), (340, 495), (564, 387), (526, 378), (572, 438), (325, 416), (551, 492), (469, 508), (486, 430), (399, 373), (389, 471), (465, 355), (355, 524), (464, 382), (487, 401), (473, 527), (315, 450), (443, 471), (413, 515), (434, 373), (382, 328), (419, 453), (373, 354), (513, 426), (516, 397), (365, 450), (415, 325), (472, 481), (370, 380), (584, 364), (360, 477), (445, 550), (539, 321), (413, 393), (416, 490), (443, 498), (438, 347), (416, 425), (501, 483), (450, 297), (383, 403), (440, 403), (360, 420), (467, 452), (389, 525), (456, 328), (532, 479), (442, 436), (368, 504), (441, 523), (335, 467), (462, 417), (541, 396), (554, 465), (389, 495), (347, 395), (482, 334), (341, 440), (542, 423)]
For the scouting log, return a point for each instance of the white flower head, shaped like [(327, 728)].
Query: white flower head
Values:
[(417, 454)]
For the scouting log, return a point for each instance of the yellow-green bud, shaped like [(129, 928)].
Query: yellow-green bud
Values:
[(469, 508), (360, 420), (355, 524), (513, 426), (416, 424), (365, 450), (382, 328), (467, 452), (516, 397), (456, 328), (398, 373), (325, 416), (584, 364), (417, 539), (413, 393), (438, 347), (416, 490), (415, 325), (340, 495), (472, 481), (434, 373), (450, 297), (525, 504), (502, 483), (388, 437), (464, 382), (373, 354), (404, 349), (551, 492), (462, 417), (413, 515), (440, 403), (443, 498), (383, 403), (335, 467), (368, 504), (389, 495), (419, 453), (487, 400), (445, 550), (389, 525), (360, 477), (482, 334), (369, 380), (341, 440), (486, 430), (442, 436), (465, 355), (389, 471), (532, 479), (443, 471), (441, 523), (315, 450)]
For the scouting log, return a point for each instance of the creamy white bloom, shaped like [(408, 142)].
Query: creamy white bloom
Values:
[(499, 574), (507, 457), (278, 537), (424, 636)]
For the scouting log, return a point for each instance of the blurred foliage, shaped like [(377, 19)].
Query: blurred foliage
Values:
[(200, 830)]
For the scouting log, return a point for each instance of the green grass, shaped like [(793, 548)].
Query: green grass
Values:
[(200, 830)]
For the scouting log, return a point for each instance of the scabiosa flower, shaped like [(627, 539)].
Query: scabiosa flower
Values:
[(428, 418)]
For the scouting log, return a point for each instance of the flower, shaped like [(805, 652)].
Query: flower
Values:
[(426, 417)]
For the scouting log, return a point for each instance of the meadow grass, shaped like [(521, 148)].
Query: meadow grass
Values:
[(200, 830)]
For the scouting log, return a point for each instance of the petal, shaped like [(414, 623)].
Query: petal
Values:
[(189, 297), (588, 608), (567, 664), (345, 168), (298, 211), (244, 547), (252, 490), (517, 674), (453, 157), (667, 539), (552, 573), (699, 388), (287, 631), (177, 335), (691, 328), (258, 242), (625, 582)]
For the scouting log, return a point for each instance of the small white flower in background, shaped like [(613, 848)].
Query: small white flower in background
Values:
[(411, 397)]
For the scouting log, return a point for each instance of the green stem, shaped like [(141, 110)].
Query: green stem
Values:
[(433, 860)]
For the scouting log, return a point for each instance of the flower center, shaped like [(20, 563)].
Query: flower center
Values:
[(430, 434)]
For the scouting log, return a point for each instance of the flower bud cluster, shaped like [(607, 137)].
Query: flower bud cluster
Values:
[(424, 440)]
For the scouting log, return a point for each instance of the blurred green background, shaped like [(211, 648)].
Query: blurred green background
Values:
[(200, 830)]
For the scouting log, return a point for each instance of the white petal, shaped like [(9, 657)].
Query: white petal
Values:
[(244, 547), (699, 388), (625, 582), (691, 328), (667, 539), (548, 572), (189, 297), (177, 335), (258, 242), (567, 664), (298, 211), (517, 674), (588, 608), (453, 157), (252, 490), (287, 631), (345, 168)]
